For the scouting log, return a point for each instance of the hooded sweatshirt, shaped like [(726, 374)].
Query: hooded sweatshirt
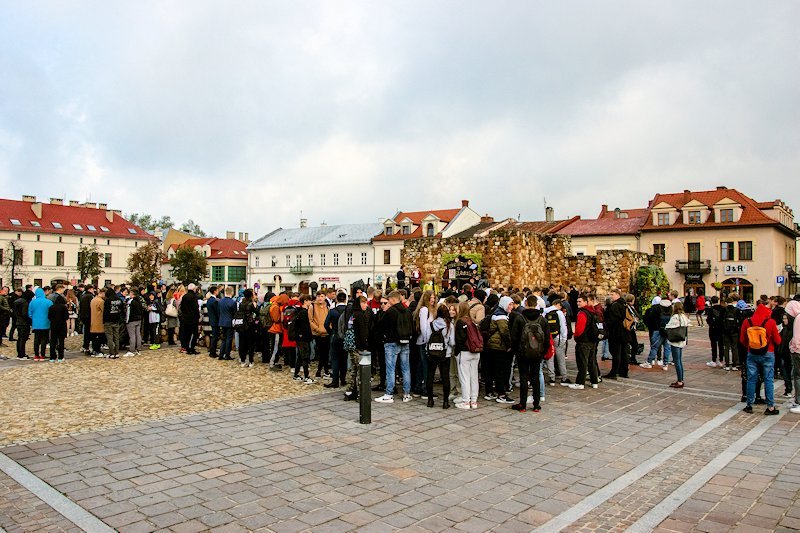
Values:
[(793, 309), (761, 314), (439, 324), (38, 309)]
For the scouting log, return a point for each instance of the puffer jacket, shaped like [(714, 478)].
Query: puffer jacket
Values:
[(499, 333)]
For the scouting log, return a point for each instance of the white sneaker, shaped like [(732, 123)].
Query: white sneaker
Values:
[(529, 399), (594, 385), (308, 381), (645, 365), (407, 398), (576, 386), (665, 367), (129, 354), (541, 399), (795, 410), (463, 405), (712, 364), (385, 399), (250, 365), (473, 405)]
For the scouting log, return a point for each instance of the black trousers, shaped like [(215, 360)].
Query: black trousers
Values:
[(97, 341), (56, 346), (212, 348), (40, 339), (584, 353), (189, 335), (247, 347), (4, 325), (499, 368), (303, 358), (529, 371), (717, 349), (443, 364), (323, 347), (23, 334), (619, 357), (87, 336)]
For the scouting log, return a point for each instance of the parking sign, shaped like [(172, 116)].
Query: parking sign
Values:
[(781, 280)]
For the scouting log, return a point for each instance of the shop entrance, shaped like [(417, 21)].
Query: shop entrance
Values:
[(739, 285)]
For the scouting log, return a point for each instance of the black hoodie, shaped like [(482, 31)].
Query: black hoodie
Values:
[(516, 330)]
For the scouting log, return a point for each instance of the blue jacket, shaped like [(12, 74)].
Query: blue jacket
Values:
[(227, 308), (212, 306), (38, 310)]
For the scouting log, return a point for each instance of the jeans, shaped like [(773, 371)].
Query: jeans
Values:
[(730, 350), (40, 339), (395, 350), (227, 341), (583, 351), (541, 378), (443, 364), (677, 356), (338, 363), (756, 364), (468, 375), (135, 336), (717, 347), (658, 341), (422, 368)]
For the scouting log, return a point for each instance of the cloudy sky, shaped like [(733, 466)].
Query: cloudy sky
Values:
[(241, 114)]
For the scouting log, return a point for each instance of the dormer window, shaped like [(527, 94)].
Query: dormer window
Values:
[(406, 230), (694, 217), (388, 230), (15, 222), (429, 231), (663, 219), (726, 215)]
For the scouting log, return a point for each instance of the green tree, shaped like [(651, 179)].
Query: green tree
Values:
[(190, 226), (188, 265), (144, 265), (148, 222), (649, 280), (89, 262)]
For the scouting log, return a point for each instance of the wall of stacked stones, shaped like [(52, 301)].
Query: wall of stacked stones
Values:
[(523, 259)]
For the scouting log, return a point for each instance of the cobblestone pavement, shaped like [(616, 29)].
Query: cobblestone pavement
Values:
[(592, 460)]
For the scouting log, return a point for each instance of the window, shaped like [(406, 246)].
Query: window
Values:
[(726, 215), (694, 217), (15, 222), (217, 273), (38, 237), (107, 283), (693, 251), (335, 259), (108, 260), (1, 261), (37, 282), (298, 260), (321, 259), (726, 251), (37, 258), (406, 230), (745, 250), (257, 260), (35, 224), (388, 230), (90, 227), (59, 238), (132, 231), (94, 241), (274, 260), (363, 258), (108, 242), (349, 258), (77, 226), (660, 250), (57, 225), (310, 259), (104, 229), (387, 257), (60, 259), (663, 219), (237, 273), (288, 260), (429, 231)]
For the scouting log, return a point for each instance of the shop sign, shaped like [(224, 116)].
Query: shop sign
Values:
[(694, 276), (735, 269)]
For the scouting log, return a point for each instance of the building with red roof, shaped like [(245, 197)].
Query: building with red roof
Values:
[(227, 258), (48, 236)]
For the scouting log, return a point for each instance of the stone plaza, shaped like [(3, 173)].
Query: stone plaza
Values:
[(245, 451)]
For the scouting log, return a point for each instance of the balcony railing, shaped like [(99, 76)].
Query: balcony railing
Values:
[(692, 267), (301, 269)]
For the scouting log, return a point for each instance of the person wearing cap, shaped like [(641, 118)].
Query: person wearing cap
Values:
[(659, 336)]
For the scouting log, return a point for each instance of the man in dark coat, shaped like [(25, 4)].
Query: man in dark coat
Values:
[(618, 338), (58, 315), (85, 315), (189, 314)]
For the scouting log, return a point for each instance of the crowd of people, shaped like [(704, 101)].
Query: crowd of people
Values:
[(469, 336)]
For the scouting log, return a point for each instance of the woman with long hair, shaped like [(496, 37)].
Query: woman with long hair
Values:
[(677, 334), (423, 316), (439, 354), (467, 361), (72, 312)]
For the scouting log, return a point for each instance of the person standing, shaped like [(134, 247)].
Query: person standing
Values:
[(759, 335), (439, 357), (23, 322), (189, 313), (300, 330), (585, 345), (154, 312), (113, 318), (498, 350), (700, 307), (398, 330), (317, 313), (424, 315), (467, 360), (227, 308), (792, 310), (212, 307), (5, 313), (59, 316), (557, 325), (677, 333), (96, 320), (40, 323), (336, 354), (85, 315), (134, 311), (247, 339), (360, 323), (618, 336), (528, 361), (72, 311)]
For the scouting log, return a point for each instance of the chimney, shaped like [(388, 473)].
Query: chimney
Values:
[(464, 203), (603, 210), (549, 214), (109, 215), (246, 237), (617, 212), (90, 205), (102, 206), (721, 188), (303, 222), (117, 212), (241, 236), (230, 234), (56, 201), (28, 198), (36, 207), (486, 219), (74, 203)]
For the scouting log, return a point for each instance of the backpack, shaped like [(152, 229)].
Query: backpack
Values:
[(486, 324), (241, 320), (344, 323), (291, 331), (590, 332), (474, 338), (436, 344), (757, 341), (629, 322), (729, 323), (288, 317), (263, 315), (404, 327), (553, 323), (534, 343), (600, 326)]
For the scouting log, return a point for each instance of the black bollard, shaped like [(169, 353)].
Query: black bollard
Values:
[(365, 394)]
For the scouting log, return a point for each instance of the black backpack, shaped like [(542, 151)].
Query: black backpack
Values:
[(436, 344), (534, 341), (405, 329), (591, 333), (241, 320), (553, 323), (486, 324), (730, 322)]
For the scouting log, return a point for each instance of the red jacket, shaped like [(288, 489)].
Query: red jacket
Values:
[(762, 313)]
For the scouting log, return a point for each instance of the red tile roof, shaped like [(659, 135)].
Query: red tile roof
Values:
[(67, 217), (445, 215), (604, 226), (632, 213), (220, 248), (751, 213)]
